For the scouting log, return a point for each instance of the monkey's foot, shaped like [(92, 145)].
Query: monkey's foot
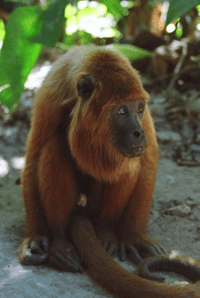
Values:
[(63, 256), (138, 249), (34, 251)]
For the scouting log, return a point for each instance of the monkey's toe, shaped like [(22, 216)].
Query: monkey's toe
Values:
[(34, 251), (63, 256)]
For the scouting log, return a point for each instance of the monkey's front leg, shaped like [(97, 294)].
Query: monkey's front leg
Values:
[(132, 226), (56, 197), (34, 248), (115, 198), (58, 193)]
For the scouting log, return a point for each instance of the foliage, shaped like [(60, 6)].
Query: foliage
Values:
[(31, 27), (19, 52), (28, 28), (53, 17), (92, 18), (179, 7)]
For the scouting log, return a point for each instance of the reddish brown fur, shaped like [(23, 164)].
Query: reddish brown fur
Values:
[(70, 138)]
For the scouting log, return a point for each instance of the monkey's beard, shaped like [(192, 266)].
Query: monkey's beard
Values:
[(96, 155)]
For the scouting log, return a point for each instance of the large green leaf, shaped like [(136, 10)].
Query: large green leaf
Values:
[(133, 53), (19, 52), (53, 18), (178, 7)]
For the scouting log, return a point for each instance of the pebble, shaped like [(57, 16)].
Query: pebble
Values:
[(181, 210)]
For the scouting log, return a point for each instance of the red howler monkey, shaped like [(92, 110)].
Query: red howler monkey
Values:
[(92, 134)]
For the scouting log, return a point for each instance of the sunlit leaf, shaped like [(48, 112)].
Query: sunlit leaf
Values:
[(70, 10), (94, 20), (96, 11), (178, 8), (19, 52), (53, 17), (133, 53), (2, 30)]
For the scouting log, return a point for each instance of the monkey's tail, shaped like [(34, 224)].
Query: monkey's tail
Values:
[(112, 277), (186, 267)]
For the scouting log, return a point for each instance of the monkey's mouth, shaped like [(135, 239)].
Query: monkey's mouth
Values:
[(133, 152), (138, 151)]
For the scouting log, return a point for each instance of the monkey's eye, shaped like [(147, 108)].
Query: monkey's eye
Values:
[(140, 108), (122, 111)]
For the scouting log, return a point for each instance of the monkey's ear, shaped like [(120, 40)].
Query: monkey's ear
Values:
[(86, 86)]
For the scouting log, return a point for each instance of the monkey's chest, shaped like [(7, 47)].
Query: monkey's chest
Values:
[(91, 197)]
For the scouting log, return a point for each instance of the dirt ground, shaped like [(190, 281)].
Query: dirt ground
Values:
[(174, 222)]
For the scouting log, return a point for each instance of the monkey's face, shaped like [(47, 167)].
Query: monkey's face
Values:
[(106, 127), (128, 135)]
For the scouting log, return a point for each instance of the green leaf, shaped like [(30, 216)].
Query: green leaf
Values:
[(114, 7), (53, 18), (19, 52), (179, 7), (133, 53)]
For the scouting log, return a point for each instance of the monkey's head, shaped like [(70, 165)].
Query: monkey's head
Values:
[(106, 128)]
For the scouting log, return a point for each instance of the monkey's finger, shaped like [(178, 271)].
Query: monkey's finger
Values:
[(122, 252), (134, 254), (40, 245), (154, 250), (159, 249), (66, 263), (105, 245), (150, 250), (33, 259), (111, 249), (45, 244), (146, 250)]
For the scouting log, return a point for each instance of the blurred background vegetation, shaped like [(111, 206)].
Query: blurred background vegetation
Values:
[(137, 28)]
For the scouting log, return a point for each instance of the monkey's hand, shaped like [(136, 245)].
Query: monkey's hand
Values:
[(108, 240), (63, 256), (138, 248), (34, 251)]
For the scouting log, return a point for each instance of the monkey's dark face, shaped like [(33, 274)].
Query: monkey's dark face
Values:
[(129, 137)]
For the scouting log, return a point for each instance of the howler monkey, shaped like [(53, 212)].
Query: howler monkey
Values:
[(90, 171)]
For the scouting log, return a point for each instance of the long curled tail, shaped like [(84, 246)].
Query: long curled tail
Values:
[(112, 277)]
